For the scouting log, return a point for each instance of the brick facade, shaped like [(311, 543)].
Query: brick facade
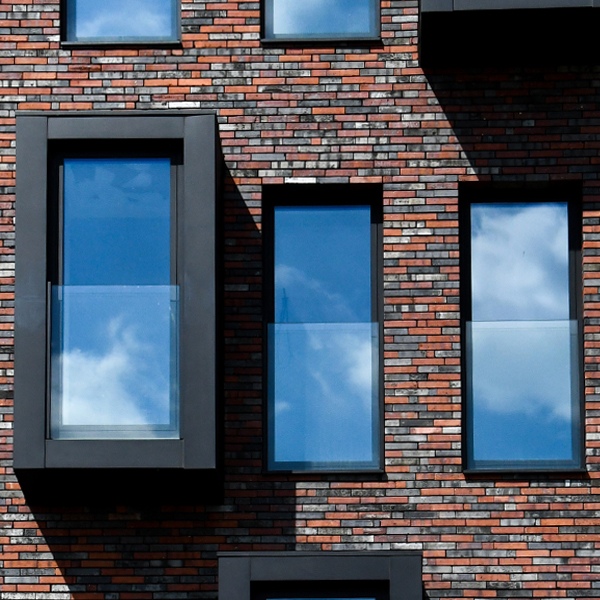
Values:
[(326, 114)]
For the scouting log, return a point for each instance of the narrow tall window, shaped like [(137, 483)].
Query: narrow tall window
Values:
[(115, 322), (334, 19), (522, 336), (323, 337)]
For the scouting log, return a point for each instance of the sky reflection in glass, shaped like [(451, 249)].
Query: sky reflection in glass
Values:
[(320, 19), (522, 347), (115, 321), (323, 347), (122, 20)]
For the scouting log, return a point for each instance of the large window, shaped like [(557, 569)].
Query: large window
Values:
[(333, 19), (323, 331), (94, 21), (114, 299), (115, 331), (522, 332), (320, 575)]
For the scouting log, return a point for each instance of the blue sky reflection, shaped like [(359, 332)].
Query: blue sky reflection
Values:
[(323, 345), (122, 19), (311, 18), (520, 262), (324, 391)]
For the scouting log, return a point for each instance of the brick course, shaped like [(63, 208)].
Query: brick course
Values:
[(326, 114)]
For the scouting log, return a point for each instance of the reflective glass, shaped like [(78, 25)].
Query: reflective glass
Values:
[(122, 20), (320, 19), (323, 346), (522, 347), (115, 317)]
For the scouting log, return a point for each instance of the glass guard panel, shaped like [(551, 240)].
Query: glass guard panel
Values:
[(323, 346), (523, 379), (330, 19), (114, 322), (114, 362), (522, 346), (324, 392), (122, 20)]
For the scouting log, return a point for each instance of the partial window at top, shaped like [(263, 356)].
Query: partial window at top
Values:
[(321, 19), (122, 21)]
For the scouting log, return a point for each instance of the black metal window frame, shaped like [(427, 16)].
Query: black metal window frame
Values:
[(39, 135), (390, 575), (266, 13), (68, 42), (475, 193), (322, 195)]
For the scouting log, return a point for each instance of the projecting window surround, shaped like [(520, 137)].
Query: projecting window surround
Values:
[(323, 575), (522, 361), (290, 20), (121, 21), (323, 332), (114, 226)]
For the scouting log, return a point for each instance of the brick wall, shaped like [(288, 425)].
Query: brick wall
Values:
[(327, 114)]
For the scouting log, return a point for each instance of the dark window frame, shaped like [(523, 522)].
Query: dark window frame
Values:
[(266, 8), (481, 194), (329, 195), (196, 133), (243, 574), (68, 42)]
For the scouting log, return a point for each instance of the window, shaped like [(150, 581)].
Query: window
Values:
[(334, 19), (115, 331), (91, 21), (522, 332), (114, 300), (324, 575), (323, 330)]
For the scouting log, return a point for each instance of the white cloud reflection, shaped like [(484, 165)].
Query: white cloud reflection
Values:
[(299, 296), (123, 18), (324, 391), (520, 262), (523, 369), (119, 386)]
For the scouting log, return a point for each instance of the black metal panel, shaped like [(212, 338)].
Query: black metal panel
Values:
[(196, 221), (471, 35), (239, 572), (30, 294), (122, 454), (198, 326), (121, 127)]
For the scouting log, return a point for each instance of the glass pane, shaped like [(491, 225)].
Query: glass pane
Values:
[(322, 264), (114, 361), (117, 222), (114, 371), (520, 262), (523, 382), (320, 19), (323, 394), (114, 20), (323, 346)]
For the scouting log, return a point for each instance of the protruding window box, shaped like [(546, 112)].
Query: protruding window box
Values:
[(115, 329), (458, 33)]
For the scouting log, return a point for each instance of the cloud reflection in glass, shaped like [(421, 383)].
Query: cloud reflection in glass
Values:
[(115, 316), (522, 345), (323, 346)]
